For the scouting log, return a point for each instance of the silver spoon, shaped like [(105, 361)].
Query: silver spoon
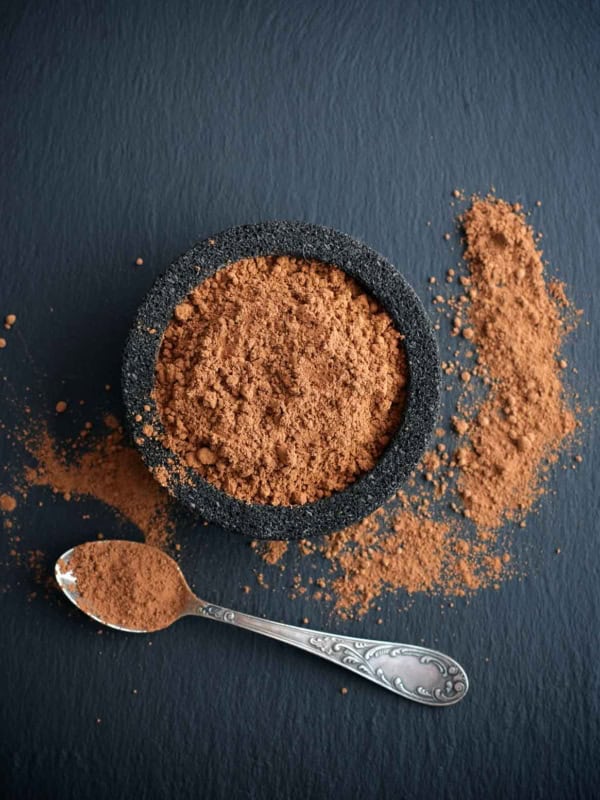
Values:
[(416, 673)]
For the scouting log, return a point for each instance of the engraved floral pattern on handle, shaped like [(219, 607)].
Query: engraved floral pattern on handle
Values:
[(217, 612), (447, 682)]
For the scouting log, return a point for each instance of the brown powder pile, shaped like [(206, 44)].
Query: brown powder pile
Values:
[(128, 584), (491, 470), (518, 331), (368, 558), (280, 380), (108, 470)]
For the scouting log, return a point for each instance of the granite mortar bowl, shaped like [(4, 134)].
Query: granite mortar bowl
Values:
[(381, 280)]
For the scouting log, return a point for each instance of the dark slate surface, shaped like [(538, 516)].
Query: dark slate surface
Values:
[(138, 128), (383, 281)]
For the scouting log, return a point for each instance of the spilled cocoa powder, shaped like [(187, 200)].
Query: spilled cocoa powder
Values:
[(104, 467), (273, 552), (280, 380), (447, 531), (128, 584), (7, 502), (411, 550), (517, 328)]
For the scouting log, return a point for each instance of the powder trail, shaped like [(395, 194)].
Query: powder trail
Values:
[(110, 471), (518, 332)]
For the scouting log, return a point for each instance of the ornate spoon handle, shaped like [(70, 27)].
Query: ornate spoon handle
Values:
[(416, 673)]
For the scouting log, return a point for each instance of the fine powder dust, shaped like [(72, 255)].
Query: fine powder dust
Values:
[(128, 584), (446, 531), (104, 467), (280, 380)]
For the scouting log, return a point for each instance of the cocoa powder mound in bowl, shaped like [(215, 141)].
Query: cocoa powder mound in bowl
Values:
[(387, 288)]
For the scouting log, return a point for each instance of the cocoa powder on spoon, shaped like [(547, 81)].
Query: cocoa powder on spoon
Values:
[(128, 584)]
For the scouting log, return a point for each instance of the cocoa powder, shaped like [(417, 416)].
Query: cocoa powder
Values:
[(105, 467), (280, 380), (518, 331), (128, 584), (7, 502)]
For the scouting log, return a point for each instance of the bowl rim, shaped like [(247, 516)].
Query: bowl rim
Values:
[(382, 280)]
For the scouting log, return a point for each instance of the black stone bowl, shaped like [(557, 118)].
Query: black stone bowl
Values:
[(382, 281)]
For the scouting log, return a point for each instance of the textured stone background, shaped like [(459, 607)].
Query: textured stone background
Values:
[(135, 128)]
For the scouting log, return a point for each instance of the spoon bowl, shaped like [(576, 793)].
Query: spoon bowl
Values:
[(415, 673)]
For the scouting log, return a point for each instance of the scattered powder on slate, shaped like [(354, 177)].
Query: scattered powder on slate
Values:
[(128, 584), (106, 468), (511, 422), (409, 550), (280, 380), (377, 553)]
